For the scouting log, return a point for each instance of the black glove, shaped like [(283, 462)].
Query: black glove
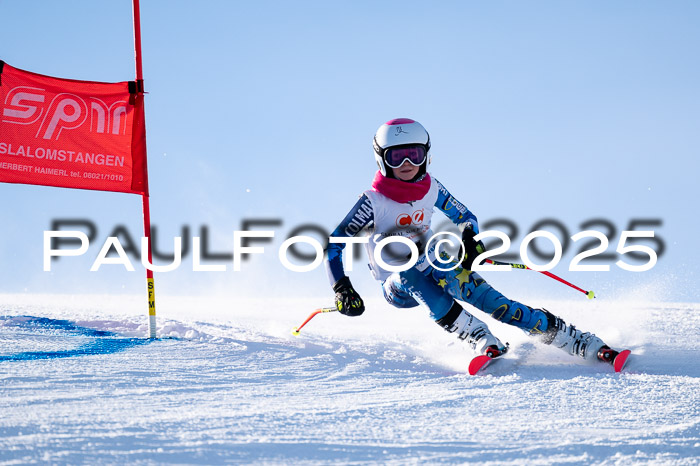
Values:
[(472, 248), (347, 300)]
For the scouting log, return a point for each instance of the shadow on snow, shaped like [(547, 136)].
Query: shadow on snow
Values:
[(95, 341)]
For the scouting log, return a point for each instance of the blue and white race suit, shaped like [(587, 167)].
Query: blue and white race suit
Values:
[(380, 217)]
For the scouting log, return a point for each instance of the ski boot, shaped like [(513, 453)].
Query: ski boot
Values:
[(582, 344), (472, 330), (570, 339)]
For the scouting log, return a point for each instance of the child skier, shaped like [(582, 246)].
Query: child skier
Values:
[(401, 203)]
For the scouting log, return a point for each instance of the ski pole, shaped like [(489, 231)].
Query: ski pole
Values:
[(295, 330), (589, 294)]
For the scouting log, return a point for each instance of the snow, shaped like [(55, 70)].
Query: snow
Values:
[(228, 382)]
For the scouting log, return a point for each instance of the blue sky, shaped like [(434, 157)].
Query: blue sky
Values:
[(566, 110)]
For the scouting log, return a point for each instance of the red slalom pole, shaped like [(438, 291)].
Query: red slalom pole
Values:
[(295, 330), (145, 196), (588, 294)]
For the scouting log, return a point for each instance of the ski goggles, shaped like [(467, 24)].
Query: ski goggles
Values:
[(395, 156)]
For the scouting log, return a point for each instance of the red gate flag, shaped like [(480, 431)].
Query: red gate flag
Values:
[(71, 134)]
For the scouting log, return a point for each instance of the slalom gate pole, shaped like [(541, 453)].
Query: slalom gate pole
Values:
[(145, 197), (295, 330), (149, 273), (588, 294)]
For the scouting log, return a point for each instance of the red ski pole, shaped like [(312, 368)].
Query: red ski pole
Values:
[(589, 294), (295, 330)]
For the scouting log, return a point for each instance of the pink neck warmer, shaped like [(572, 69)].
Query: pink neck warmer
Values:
[(401, 191)]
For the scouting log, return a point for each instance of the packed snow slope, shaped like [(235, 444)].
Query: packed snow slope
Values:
[(228, 382)]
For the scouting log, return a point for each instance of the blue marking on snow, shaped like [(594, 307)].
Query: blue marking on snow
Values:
[(97, 341)]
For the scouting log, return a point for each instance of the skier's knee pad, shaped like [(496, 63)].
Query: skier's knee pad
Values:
[(396, 296), (423, 290)]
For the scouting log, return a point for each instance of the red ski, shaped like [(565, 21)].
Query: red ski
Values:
[(614, 358), (482, 361), (478, 363), (621, 360)]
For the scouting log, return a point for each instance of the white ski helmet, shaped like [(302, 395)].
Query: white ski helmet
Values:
[(400, 132)]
